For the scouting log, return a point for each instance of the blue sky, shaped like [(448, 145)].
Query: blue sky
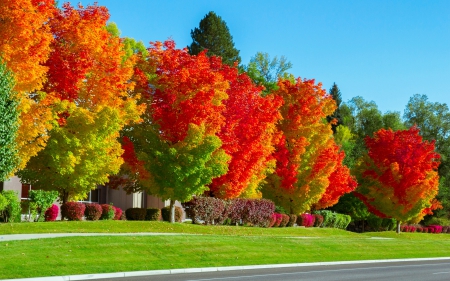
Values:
[(385, 51)]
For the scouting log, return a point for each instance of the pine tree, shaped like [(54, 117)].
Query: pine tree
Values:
[(336, 94), (214, 36)]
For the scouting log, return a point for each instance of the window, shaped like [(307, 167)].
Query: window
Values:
[(92, 196), (26, 191)]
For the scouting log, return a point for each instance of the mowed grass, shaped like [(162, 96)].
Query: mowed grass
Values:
[(217, 246)]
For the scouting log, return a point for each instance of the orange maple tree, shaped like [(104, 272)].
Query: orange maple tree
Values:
[(398, 176), (306, 155), (25, 39)]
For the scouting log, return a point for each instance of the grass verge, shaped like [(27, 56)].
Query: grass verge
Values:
[(219, 246)]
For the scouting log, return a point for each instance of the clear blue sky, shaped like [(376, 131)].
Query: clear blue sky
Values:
[(382, 50)]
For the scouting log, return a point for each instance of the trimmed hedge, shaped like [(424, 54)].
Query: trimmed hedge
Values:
[(107, 212), (209, 210), (73, 211), (284, 220), (235, 210), (336, 220), (51, 213), (292, 220), (93, 211), (306, 220), (117, 213), (153, 214), (165, 212), (135, 214), (258, 212)]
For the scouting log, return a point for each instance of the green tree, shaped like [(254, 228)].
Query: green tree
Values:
[(336, 94), (433, 120), (214, 36), (8, 124), (266, 71)]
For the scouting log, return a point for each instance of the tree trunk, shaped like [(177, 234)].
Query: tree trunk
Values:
[(398, 226), (64, 196), (363, 226), (172, 211)]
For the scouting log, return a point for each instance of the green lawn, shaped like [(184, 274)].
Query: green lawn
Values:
[(218, 246)]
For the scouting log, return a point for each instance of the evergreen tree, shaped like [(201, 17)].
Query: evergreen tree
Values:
[(336, 94), (8, 124), (214, 35)]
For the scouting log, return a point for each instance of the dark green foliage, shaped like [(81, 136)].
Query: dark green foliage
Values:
[(332, 219), (280, 210), (336, 94), (213, 35), (135, 214), (12, 211), (165, 213), (153, 214), (9, 116), (375, 223), (93, 211)]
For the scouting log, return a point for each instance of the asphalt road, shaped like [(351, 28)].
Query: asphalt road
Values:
[(398, 271)]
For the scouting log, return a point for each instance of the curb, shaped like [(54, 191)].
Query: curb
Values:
[(208, 269)]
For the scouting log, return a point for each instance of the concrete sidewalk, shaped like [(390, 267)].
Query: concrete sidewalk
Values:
[(13, 237)]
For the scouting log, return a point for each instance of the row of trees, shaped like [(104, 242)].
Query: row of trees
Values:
[(87, 107)]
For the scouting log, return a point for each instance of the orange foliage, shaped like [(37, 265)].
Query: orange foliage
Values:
[(25, 40)]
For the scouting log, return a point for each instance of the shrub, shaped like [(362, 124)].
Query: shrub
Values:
[(272, 220), (280, 210), (135, 214), (235, 209), (206, 209), (418, 229), (258, 212), (278, 219), (292, 220), (284, 220), (306, 220), (329, 218), (3, 202), (342, 221), (107, 212), (435, 228), (117, 213), (445, 229), (153, 214), (42, 200), (51, 213), (93, 211), (318, 220), (73, 211), (11, 213), (425, 229), (165, 212)]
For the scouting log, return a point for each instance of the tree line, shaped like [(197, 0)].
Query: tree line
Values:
[(82, 107)]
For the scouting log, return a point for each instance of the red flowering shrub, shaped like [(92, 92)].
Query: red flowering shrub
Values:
[(117, 213), (258, 212), (425, 229), (278, 219), (306, 220), (272, 220), (93, 211), (435, 228), (52, 213), (73, 211), (107, 212), (292, 220), (318, 220), (206, 209), (419, 229), (284, 220)]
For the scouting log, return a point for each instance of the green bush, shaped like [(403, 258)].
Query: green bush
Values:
[(165, 212), (153, 214), (40, 201), (135, 214), (12, 211), (3, 202), (332, 219)]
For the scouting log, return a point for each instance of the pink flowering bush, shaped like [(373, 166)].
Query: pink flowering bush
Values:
[(306, 220), (435, 228), (117, 213), (51, 213), (278, 219), (272, 220)]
